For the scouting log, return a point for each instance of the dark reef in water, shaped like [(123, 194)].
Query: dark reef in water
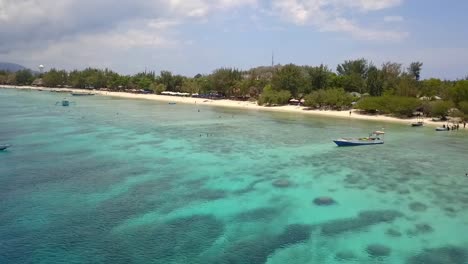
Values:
[(417, 207), (393, 232), (259, 214), (363, 220), (324, 201), (188, 236), (345, 255), (206, 195), (256, 251), (250, 187), (281, 183), (442, 255), (419, 229), (378, 251)]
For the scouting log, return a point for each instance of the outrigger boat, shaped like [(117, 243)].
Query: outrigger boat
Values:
[(374, 138), (64, 102), (81, 94), (417, 124), (4, 146)]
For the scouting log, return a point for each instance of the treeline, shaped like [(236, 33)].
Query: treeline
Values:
[(389, 88)]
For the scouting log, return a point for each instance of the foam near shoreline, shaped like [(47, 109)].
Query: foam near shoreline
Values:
[(243, 105)]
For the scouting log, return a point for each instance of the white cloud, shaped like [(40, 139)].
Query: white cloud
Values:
[(372, 5), (77, 33), (331, 16), (202, 8), (393, 19), (102, 49), (27, 23)]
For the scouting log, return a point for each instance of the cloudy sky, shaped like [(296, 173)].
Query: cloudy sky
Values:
[(197, 36)]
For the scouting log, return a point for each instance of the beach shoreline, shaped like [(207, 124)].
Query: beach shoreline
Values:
[(242, 105)]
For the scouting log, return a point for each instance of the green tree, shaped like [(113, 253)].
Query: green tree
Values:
[(190, 86), (389, 104), (440, 108), (54, 78), (157, 88), (271, 96), (318, 77), (431, 87), (165, 77), (463, 106), (24, 77), (374, 81), (335, 98), (349, 67), (223, 80), (355, 74), (414, 70), (290, 78), (407, 86), (76, 79), (390, 75), (205, 84), (459, 92)]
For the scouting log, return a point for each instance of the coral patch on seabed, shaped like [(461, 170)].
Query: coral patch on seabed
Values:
[(363, 220), (281, 183), (417, 207), (442, 255), (377, 250), (256, 251), (393, 232), (258, 214), (324, 201), (345, 255)]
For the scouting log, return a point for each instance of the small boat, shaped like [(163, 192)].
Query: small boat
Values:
[(442, 129), (4, 146), (81, 94), (417, 124), (172, 103), (64, 102), (375, 138), (60, 91)]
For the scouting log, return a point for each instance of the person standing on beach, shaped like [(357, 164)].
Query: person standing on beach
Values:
[(349, 112), (464, 124)]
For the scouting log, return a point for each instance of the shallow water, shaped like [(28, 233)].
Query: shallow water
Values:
[(111, 180)]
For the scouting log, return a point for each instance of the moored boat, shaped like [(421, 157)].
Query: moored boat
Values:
[(375, 138), (417, 124), (81, 94), (4, 146), (442, 128), (64, 102)]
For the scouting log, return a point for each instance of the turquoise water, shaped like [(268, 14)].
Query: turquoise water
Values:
[(110, 180)]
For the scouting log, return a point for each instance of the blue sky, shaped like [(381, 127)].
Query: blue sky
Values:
[(197, 36)]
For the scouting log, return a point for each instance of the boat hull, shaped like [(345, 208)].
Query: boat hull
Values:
[(347, 143), (442, 129), (82, 94), (417, 124), (4, 147)]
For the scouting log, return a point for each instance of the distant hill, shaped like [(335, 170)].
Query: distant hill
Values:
[(12, 67)]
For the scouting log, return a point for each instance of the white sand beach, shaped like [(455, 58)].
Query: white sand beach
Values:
[(243, 105)]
